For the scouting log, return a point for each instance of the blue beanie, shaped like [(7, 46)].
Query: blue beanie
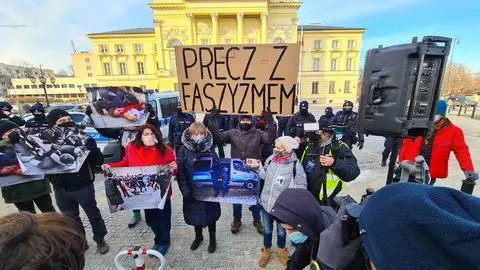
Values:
[(441, 107), (413, 226)]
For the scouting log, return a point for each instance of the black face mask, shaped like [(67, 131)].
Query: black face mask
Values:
[(304, 111), (347, 109), (39, 117), (67, 124), (245, 126), (328, 112)]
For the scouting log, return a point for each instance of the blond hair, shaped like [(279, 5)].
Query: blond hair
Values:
[(197, 127)]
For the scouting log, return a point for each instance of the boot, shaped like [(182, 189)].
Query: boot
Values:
[(259, 225), (264, 257), (212, 245), (282, 254), (198, 239), (102, 247), (235, 227), (135, 219), (384, 163)]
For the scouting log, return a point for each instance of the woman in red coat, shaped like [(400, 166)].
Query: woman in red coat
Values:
[(148, 149), (445, 138)]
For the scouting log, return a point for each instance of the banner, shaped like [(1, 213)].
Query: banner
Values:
[(11, 180), (134, 188), (238, 79), (51, 150), (116, 107), (225, 181)]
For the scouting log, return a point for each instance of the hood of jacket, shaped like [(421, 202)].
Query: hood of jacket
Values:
[(202, 146)]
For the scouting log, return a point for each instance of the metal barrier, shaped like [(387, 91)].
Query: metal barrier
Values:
[(463, 110)]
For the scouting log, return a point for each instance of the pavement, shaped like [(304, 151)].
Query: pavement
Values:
[(239, 251)]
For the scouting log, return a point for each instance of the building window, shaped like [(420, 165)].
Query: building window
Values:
[(333, 64), (314, 87), (89, 67), (317, 44), (278, 41), (106, 69), (87, 60), (205, 41), (56, 86), (64, 86), (316, 64), (251, 41), (123, 68), (119, 48), (103, 49), (174, 43), (140, 68), (49, 86), (26, 87), (18, 86), (90, 75), (331, 87), (34, 86), (71, 86), (335, 44), (228, 41), (349, 63), (137, 48), (158, 66), (347, 87), (351, 44)]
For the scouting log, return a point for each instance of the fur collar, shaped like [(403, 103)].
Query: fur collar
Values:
[(203, 146)]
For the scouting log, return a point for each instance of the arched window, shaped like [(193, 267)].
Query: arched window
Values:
[(278, 41), (174, 42)]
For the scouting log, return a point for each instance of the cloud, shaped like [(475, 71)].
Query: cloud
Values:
[(51, 24), (335, 11)]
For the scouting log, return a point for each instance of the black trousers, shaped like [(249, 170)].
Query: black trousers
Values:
[(160, 221), (211, 229), (44, 203), (68, 202)]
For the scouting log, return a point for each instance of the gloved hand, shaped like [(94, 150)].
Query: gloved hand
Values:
[(88, 110), (90, 144), (268, 116), (360, 145), (471, 175)]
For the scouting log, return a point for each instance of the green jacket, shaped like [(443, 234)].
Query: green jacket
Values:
[(25, 191)]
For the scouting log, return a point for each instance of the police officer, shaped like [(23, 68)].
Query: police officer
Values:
[(345, 121), (39, 119), (282, 125), (178, 123), (328, 115), (6, 114), (328, 164), (295, 125)]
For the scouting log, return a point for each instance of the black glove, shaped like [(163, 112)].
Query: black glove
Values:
[(360, 145), (14, 137), (90, 144), (267, 116), (88, 110)]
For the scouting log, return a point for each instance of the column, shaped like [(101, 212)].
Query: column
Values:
[(214, 28), (264, 27), (160, 46), (191, 27), (240, 28)]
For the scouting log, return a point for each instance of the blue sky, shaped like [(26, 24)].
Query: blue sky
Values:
[(51, 24)]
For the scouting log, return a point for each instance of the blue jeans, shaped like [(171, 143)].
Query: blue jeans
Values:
[(268, 231), (237, 212)]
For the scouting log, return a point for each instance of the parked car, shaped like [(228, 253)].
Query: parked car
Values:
[(463, 101), (69, 107)]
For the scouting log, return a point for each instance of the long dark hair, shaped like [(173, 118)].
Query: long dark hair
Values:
[(160, 145)]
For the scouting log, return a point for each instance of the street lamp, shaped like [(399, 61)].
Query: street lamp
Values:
[(43, 81)]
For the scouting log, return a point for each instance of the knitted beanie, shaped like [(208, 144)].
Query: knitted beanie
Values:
[(56, 114), (288, 143), (441, 107), (6, 125)]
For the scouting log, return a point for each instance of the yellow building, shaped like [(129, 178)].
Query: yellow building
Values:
[(145, 56), (83, 66)]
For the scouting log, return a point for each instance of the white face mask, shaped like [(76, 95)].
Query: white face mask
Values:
[(149, 141), (437, 118), (197, 138)]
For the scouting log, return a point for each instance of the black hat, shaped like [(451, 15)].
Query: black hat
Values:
[(37, 107), (56, 114), (6, 125), (5, 106), (324, 125), (245, 116), (347, 103), (304, 105)]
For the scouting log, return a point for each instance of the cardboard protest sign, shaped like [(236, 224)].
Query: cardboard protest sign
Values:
[(134, 188), (114, 107), (225, 181), (51, 150), (238, 79), (11, 180)]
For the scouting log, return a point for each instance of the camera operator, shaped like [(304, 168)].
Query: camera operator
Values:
[(445, 137), (347, 119), (328, 163), (295, 124), (412, 226)]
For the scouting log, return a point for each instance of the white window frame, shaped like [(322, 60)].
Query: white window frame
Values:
[(317, 44), (335, 44), (140, 68), (346, 87), (107, 70), (333, 64), (349, 64), (331, 87), (122, 68), (314, 87), (316, 64)]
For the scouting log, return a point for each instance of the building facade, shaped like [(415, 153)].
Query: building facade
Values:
[(145, 57), (9, 72)]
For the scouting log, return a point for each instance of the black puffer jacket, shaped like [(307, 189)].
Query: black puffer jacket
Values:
[(195, 213), (245, 144), (178, 123), (295, 124), (299, 209)]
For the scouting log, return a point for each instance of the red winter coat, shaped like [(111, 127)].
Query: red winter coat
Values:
[(145, 156), (449, 138)]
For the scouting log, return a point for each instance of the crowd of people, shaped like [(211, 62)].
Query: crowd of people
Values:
[(302, 175)]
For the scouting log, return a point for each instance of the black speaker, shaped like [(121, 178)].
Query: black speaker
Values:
[(401, 85)]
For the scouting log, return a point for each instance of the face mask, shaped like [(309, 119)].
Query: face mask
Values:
[(67, 124), (39, 116), (245, 126), (197, 138), (303, 111), (437, 118), (280, 154), (347, 109), (298, 237), (149, 141)]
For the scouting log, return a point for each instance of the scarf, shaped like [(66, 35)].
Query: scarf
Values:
[(281, 159)]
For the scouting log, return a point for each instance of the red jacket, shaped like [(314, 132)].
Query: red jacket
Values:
[(145, 156), (449, 138)]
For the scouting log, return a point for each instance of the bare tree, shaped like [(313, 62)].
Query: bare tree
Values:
[(458, 80)]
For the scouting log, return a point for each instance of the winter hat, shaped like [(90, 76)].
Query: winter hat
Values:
[(288, 143), (56, 114), (6, 125), (413, 226), (348, 103), (37, 107), (5, 106), (304, 105), (245, 116), (441, 107)]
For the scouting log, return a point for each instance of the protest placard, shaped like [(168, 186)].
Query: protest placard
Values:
[(114, 107), (11, 180), (134, 188), (238, 79)]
